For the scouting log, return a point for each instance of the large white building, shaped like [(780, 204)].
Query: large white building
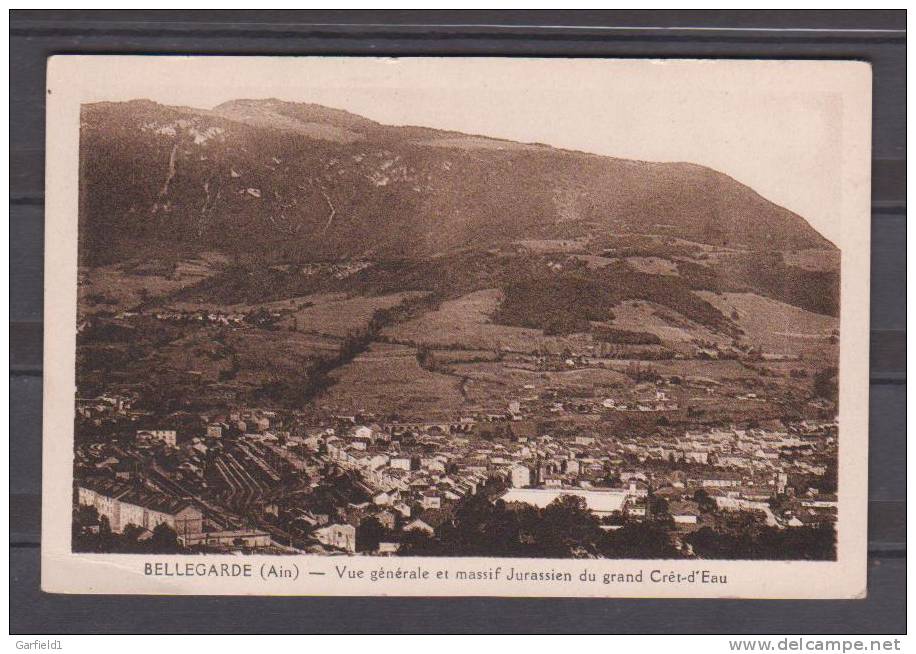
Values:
[(126, 505), (519, 476), (601, 502)]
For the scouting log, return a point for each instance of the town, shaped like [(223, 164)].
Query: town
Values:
[(283, 481), (309, 332)]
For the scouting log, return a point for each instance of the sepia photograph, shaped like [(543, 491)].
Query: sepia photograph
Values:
[(518, 318)]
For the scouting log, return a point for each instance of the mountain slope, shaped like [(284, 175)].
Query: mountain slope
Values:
[(298, 182)]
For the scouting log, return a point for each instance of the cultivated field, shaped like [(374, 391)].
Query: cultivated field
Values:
[(466, 323), (715, 370), (336, 314), (813, 259), (774, 325), (667, 324), (387, 379), (491, 386), (652, 265), (121, 287)]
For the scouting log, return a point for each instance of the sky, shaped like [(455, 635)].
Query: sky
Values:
[(776, 126)]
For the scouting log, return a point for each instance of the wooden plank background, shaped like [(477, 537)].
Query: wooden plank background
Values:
[(879, 38)]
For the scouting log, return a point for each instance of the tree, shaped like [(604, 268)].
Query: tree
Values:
[(368, 535), (705, 502), (164, 540), (825, 384), (827, 483), (611, 479), (418, 543), (567, 526), (85, 516), (106, 536), (427, 358), (616, 518), (130, 538), (777, 503), (658, 507), (85, 529), (639, 540), (752, 540)]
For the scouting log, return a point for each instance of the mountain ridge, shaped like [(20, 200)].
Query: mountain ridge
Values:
[(332, 184)]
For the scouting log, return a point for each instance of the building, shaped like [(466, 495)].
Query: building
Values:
[(400, 463), (431, 500), (343, 537), (515, 409), (420, 525), (382, 498), (248, 538), (519, 476), (684, 513), (167, 436), (387, 519), (124, 505)]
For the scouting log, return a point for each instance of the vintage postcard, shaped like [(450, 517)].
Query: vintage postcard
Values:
[(454, 326)]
